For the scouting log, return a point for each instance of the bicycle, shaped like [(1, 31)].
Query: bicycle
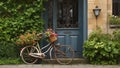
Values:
[(62, 53)]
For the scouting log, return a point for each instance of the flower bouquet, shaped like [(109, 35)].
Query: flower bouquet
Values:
[(51, 35)]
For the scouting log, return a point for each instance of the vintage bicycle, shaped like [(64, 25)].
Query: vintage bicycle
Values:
[(64, 54)]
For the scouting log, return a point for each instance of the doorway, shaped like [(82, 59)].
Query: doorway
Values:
[(67, 18)]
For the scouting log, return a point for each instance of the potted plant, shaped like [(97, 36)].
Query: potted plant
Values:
[(114, 21)]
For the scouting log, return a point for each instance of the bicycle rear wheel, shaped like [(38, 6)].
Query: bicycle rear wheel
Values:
[(25, 54), (64, 54)]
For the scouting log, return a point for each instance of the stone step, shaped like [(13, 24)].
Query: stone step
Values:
[(75, 61)]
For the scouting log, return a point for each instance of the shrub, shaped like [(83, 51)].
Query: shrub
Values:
[(101, 49), (116, 35), (116, 38)]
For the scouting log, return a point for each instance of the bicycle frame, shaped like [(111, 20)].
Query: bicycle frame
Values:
[(42, 54), (31, 53)]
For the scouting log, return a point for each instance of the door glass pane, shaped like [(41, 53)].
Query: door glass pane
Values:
[(67, 13)]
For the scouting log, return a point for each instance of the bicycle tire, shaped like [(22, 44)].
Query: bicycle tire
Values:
[(64, 54), (26, 58)]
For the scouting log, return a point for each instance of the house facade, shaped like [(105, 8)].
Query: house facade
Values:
[(74, 20)]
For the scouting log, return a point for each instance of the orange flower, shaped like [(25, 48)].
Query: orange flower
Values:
[(22, 37), (28, 35), (28, 38)]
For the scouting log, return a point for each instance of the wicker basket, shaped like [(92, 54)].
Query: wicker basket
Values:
[(53, 38), (30, 42)]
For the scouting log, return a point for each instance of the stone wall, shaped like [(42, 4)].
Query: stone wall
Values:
[(102, 20)]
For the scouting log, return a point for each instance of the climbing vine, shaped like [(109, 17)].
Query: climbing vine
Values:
[(17, 17)]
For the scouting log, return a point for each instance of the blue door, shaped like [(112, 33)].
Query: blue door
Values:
[(66, 18)]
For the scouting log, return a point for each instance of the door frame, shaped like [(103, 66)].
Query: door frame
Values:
[(84, 25)]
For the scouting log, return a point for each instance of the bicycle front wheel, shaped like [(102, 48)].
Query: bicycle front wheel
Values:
[(64, 54), (25, 54)]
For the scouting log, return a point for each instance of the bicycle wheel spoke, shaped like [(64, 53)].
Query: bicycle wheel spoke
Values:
[(27, 50), (25, 54), (64, 54), (32, 50)]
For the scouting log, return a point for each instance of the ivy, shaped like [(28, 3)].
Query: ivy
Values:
[(17, 17)]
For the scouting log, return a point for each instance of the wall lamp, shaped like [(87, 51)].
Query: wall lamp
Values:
[(96, 11)]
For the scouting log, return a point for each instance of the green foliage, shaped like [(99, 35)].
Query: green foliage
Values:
[(116, 38), (101, 49), (116, 35), (10, 61), (16, 18), (8, 50)]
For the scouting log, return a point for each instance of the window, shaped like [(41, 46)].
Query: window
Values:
[(67, 15), (116, 7)]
